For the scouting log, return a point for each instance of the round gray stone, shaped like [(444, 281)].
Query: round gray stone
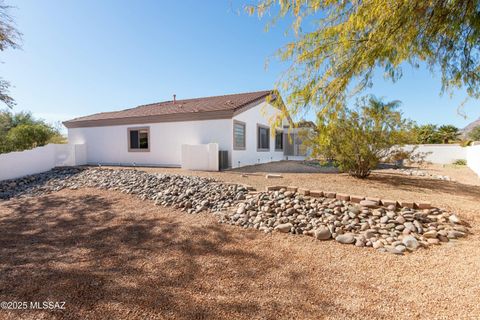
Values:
[(345, 238), (284, 227), (322, 233), (410, 243)]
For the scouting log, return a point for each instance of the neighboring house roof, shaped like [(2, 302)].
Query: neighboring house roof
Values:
[(217, 107)]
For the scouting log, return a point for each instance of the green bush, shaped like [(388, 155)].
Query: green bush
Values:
[(21, 131), (430, 133), (359, 138), (460, 162)]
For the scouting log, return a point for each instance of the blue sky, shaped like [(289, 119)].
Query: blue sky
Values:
[(83, 57)]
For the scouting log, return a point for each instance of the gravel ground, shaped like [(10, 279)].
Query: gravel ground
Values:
[(111, 255), (461, 174)]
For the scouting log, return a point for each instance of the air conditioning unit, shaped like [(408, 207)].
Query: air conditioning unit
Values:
[(223, 160)]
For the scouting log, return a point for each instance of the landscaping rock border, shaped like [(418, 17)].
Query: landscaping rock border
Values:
[(363, 200), (388, 226), (385, 225)]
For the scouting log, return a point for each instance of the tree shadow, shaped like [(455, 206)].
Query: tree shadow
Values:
[(79, 249), (32, 183), (410, 184), (284, 166)]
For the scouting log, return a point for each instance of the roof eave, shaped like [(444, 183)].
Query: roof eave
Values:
[(176, 117)]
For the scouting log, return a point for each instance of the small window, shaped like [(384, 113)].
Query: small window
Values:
[(239, 135), (138, 139), (263, 138), (279, 140)]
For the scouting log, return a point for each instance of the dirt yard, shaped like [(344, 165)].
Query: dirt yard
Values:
[(111, 255)]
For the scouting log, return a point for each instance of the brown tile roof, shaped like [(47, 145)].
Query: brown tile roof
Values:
[(189, 109)]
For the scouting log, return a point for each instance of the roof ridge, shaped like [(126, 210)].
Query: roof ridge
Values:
[(182, 100), (199, 98), (219, 103)]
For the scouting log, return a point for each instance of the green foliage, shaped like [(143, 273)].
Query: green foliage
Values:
[(21, 131), (460, 162), (9, 38), (426, 134), (359, 138), (27, 136), (433, 134), (349, 40), (448, 133), (475, 134)]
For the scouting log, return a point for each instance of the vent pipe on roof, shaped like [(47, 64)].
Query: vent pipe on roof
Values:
[(174, 98)]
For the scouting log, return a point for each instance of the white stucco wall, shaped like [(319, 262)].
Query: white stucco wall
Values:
[(441, 153), (18, 164), (109, 144), (260, 114), (473, 158), (70, 155), (200, 157)]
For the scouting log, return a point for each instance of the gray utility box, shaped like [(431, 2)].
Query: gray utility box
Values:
[(222, 160)]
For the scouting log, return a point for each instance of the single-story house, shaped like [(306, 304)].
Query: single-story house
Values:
[(153, 134)]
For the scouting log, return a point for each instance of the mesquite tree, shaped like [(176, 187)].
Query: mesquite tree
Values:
[(358, 139), (350, 40), (9, 38)]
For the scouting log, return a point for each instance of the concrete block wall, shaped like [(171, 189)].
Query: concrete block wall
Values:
[(473, 158), (440, 153), (18, 164)]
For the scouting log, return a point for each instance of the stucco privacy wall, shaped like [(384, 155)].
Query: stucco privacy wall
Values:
[(70, 154), (259, 114), (109, 144), (440, 153), (200, 157), (448, 153), (19, 164), (473, 158)]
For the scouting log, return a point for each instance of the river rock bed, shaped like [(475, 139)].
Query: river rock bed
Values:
[(422, 173), (368, 224), (391, 229), (188, 193)]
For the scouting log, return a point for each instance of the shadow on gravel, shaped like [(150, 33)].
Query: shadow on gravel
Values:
[(284, 166), (79, 249), (408, 183)]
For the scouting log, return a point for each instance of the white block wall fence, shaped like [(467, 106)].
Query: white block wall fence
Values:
[(200, 157), (440, 153), (473, 158), (18, 164), (448, 153)]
